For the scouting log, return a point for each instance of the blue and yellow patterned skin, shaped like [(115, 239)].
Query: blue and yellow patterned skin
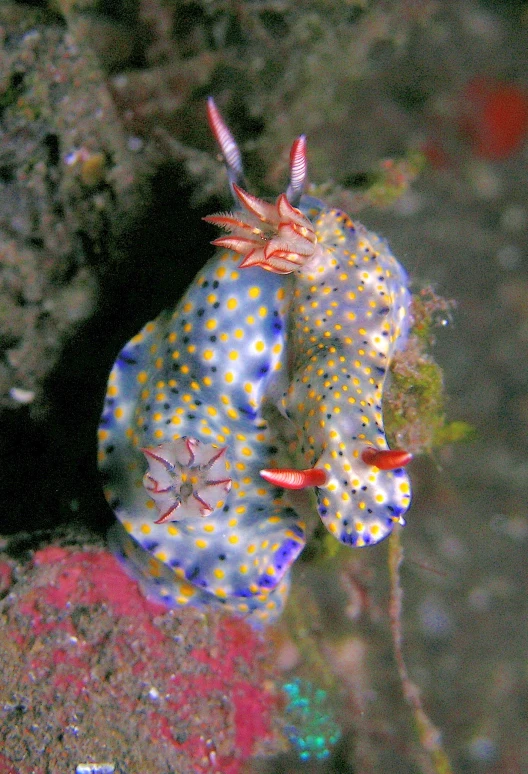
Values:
[(265, 365), (349, 312), (202, 371)]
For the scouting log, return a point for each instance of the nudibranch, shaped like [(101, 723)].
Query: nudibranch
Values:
[(266, 377)]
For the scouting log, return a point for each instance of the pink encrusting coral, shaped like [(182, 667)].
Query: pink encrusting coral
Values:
[(94, 671)]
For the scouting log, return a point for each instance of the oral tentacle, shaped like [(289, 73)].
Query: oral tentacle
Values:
[(290, 478)]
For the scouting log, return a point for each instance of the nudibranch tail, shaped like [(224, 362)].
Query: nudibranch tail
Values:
[(290, 478)]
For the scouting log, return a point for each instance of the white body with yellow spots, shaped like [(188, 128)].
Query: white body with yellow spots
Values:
[(203, 371), (349, 313)]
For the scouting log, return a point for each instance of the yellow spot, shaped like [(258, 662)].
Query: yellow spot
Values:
[(209, 528), (172, 530), (142, 377), (145, 529), (218, 573), (254, 292), (232, 303), (260, 346), (187, 590), (229, 377), (233, 355), (233, 539), (188, 306), (119, 413), (201, 543), (154, 568), (251, 548), (208, 354), (243, 569), (211, 325)]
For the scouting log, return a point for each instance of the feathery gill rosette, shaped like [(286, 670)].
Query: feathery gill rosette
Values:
[(277, 237), (186, 478)]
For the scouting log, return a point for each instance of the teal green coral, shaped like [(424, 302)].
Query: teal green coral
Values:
[(311, 727)]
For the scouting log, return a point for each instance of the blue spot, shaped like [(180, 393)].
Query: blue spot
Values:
[(286, 553), (125, 359), (248, 411), (267, 582)]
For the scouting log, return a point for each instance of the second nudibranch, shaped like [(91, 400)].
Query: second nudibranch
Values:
[(349, 313)]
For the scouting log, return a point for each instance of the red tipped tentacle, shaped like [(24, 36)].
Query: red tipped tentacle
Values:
[(289, 478), (386, 459)]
